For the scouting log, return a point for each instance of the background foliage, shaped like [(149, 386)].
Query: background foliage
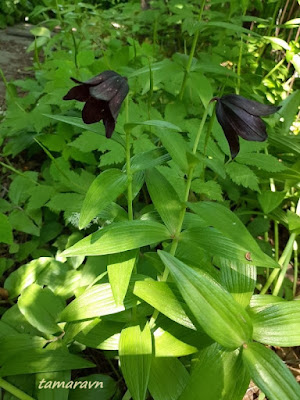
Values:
[(177, 298)]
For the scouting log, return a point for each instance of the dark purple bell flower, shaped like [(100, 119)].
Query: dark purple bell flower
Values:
[(103, 96), (239, 116)]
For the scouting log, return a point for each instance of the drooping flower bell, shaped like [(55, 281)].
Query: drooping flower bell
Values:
[(103, 96), (239, 116)]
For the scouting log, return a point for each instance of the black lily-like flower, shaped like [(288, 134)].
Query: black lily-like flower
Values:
[(103, 96), (239, 116)]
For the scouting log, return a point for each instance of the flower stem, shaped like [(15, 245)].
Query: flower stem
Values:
[(14, 390), (128, 166), (193, 48), (239, 67), (183, 211)]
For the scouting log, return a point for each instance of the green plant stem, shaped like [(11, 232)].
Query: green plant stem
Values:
[(128, 166), (193, 48), (296, 267), (57, 166), (75, 49), (183, 211), (286, 255), (18, 173), (276, 240), (14, 390), (274, 69)]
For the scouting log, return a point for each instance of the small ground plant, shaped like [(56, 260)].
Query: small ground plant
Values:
[(153, 255)]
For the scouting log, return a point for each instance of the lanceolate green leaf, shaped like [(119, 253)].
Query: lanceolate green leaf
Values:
[(43, 360), (160, 296), (239, 279), (104, 190), (231, 226), (96, 301), (101, 334), (135, 350), (165, 199), (119, 270), (214, 375), (269, 373), (149, 159), (75, 121), (168, 377), (277, 324), (156, 123), (220, 316), (120, 236)]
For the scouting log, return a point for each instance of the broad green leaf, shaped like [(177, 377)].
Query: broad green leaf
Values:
[(214, 375), (277, 324), (93, 387), (6, 235), (239, 279), (120, 236), (15, 344), (135, 351), (104, 190), (168, 377), (157, 124), (242, 175), (199, 83), (20, 221), (25, 275), (101, 334), (41, 308), (6, 330), (16, 320), (57, 380), (164, 198), (96, 301), (119, 268), (220, 316), (270, 200), (61, 279), (210, 189), (41, 31), (43, 360), (270, 373), (293, 221), (160, 296), (149, 159), (231, 226), (265, 162)]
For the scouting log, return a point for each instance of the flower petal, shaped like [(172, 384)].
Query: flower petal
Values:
[(80, 93), (93, 111), (96, 80), (229, 131), (250, 106), (116, 102), (109, 124), (249, 127), (108, 89)]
